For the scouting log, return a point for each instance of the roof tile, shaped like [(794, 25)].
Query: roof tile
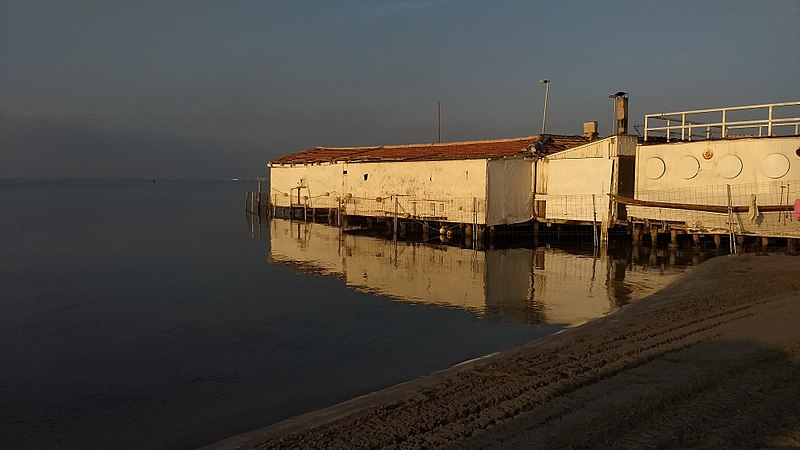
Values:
[(432, 152)]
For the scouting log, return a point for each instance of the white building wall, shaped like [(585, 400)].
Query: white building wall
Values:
[(570, 186), (620, 145), (320, 185), (700, 172), (447, 191), (432, 190), (567, 180)]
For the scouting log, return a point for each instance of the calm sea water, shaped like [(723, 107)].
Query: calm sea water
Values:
[(154, 315)]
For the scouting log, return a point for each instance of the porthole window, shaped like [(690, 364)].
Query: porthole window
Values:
[(729, 166), (654, 168), (366, 175), (775, 165)]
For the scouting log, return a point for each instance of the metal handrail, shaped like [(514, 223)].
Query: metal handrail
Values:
[(683, 125)]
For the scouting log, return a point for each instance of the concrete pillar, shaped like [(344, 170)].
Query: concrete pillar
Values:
[(696, 240), (673, 238), (717, 240), (791, 246), (764, 243), (654, 236)]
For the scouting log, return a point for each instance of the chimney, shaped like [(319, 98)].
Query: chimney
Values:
[(622, 114), (590, 130)]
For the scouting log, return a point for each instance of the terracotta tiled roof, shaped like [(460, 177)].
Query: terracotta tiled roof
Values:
[(430, 152)]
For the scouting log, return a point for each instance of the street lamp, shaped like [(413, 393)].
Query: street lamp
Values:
[(546, 84)]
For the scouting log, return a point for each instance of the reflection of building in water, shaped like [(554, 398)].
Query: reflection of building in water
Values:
[(543, 285)]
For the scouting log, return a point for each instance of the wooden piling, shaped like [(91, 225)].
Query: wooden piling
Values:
[(636, 234), (673, 238), (653, 235)]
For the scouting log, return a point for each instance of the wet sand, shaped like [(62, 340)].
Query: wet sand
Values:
[(711, 361)]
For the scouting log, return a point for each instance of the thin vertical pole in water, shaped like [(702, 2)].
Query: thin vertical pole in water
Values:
[(395, 219), (258, 194), (474, 223), (438, 122), (396, 201), (731, 233), (594, 222)]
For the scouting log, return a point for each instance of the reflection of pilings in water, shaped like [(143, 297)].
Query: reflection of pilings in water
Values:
[(549, 285)]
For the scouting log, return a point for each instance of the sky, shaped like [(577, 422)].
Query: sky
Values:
[(203, 90)]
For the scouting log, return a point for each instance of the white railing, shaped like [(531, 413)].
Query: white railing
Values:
[(686, 125)]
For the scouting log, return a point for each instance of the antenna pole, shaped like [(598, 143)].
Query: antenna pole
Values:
[(438, 121)]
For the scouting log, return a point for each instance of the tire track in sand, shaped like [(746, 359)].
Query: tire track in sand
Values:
[(530, 391)]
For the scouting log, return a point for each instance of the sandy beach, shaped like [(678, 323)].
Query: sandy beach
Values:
[(712, 361)]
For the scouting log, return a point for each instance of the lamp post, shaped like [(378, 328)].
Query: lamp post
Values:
[(546, 84)]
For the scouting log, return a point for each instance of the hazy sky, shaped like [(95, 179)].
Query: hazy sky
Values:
[(200, 89)]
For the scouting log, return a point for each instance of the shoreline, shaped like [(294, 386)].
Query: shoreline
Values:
[(738, 312)]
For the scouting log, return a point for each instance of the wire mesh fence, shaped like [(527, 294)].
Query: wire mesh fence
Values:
[(762, 209)]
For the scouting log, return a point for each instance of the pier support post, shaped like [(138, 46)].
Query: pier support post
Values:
[(696, 240), (717, 241), (636, 234), (480, 234), (653, 236), (791, 246), (764, 243), (653, 259), (673, 238)]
